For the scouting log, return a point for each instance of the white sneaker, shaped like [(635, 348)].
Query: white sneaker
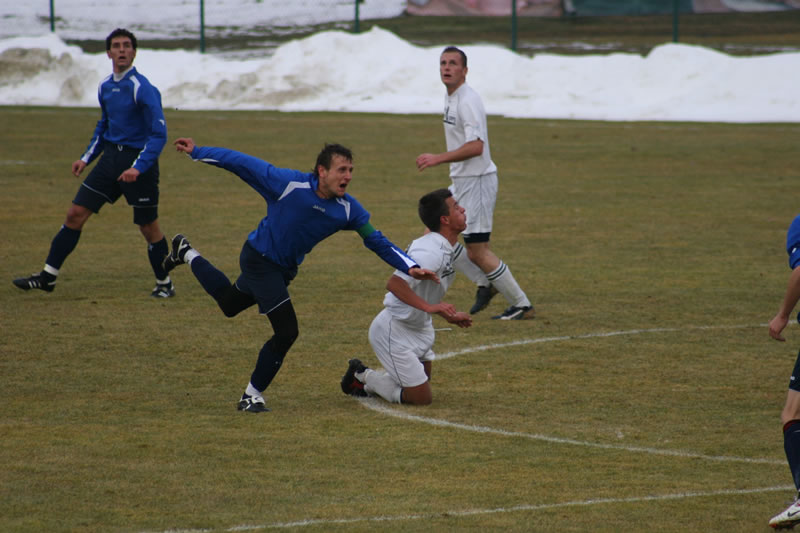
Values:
[(789, 518)]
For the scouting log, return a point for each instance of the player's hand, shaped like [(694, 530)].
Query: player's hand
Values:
[(445, 310), (426, 160), (129, 176), (184, 144), (423, 274), (776, 325), (460, 319), (77, 167)]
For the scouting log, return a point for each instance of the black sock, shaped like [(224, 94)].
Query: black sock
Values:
[(156, 252), (63, 243), (791, 444)]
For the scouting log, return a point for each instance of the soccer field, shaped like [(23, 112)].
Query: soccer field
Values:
[(645, 396)]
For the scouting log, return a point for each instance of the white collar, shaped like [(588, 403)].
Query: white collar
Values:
[(121, 75)]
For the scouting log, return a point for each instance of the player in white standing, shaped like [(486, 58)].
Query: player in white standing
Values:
[(474, 186), (402, 334)]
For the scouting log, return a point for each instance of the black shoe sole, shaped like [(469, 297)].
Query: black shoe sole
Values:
[(353, 366)]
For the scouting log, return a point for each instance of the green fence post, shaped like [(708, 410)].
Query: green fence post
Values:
[(675, 20), (52, 16), (355, 22), (202, 27), (514, 25)]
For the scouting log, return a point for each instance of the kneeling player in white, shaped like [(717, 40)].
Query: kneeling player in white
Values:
[(402, 334)]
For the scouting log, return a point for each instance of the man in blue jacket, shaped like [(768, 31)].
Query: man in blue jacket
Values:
[(130, 136), (303, 208)]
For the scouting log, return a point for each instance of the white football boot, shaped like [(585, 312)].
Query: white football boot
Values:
[(789, 518)]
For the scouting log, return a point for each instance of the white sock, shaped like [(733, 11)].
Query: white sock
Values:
[(381, 384), (50, 270), (504, 282), (165, 281), (190, 254), (462, 264), (252, 391)]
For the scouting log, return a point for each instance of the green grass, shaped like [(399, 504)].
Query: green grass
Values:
[(118, 410)]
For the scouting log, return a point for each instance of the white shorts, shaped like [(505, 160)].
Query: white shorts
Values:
[(400, 349), (477, 195)]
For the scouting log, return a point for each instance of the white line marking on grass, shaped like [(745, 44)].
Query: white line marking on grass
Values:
[(380, 406), (585, 336), (496, 510)]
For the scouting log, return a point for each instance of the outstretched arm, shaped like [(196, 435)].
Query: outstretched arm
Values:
[(261, 175), (394, 256)]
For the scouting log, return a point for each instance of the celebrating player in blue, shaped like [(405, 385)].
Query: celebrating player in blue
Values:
[(303, 208), (130, 135)]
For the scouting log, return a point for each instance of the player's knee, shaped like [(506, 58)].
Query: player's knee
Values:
[(76, 217), (418, 400), (232, 301), (791, 409), (228, 312), (230, 306), (788, 415), (285, 339), (421, 395), (151, 231)]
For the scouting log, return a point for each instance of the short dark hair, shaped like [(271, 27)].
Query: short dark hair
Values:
[(459, 51), (326, 155), (432, 207), (120, 32)]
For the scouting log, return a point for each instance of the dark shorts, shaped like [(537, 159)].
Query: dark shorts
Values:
[(476, 237), (794, 381), (264, 280), (101, 185)]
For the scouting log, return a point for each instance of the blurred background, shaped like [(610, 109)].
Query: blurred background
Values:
[(256, 27)]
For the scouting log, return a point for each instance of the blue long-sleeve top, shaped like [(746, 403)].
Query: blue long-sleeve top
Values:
[(131, 116), (297, 218), (793, 243)]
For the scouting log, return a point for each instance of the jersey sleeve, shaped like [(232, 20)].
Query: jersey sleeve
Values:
[(387, 251), (471, 120), (149, 101), (95, 147), (793, 243), (262, 176)]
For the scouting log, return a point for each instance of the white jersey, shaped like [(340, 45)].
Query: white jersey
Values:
[(433, 252), (465, 121)]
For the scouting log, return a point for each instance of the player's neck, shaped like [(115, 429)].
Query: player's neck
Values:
[(450, 235), (451, 89), (119, 75)]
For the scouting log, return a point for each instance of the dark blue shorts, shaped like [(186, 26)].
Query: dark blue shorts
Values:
[(264, 280), (101, 185), (476, 237), (794, 381)]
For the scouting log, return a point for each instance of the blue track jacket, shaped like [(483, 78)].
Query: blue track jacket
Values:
[(131, 116), (297, 219)]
